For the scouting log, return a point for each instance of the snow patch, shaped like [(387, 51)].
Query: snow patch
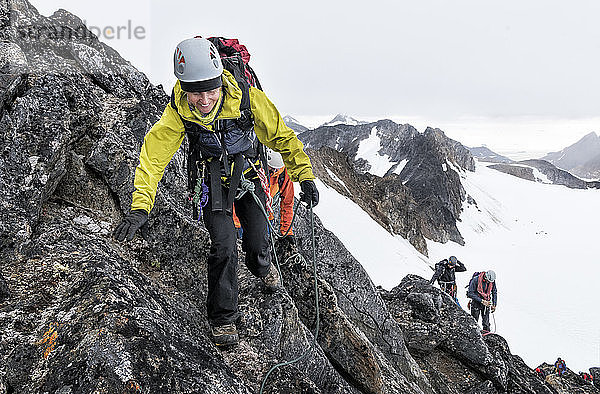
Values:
[(369, 151)]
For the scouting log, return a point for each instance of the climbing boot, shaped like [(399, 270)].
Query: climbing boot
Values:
[(225, 335), (271, 280)]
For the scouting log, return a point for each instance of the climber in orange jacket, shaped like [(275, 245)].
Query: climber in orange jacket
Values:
[(281, 183)]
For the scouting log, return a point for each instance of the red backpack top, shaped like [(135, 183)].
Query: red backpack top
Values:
[(232, 52)]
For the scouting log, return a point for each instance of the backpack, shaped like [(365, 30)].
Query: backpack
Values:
[(475, 274), (235, 58)]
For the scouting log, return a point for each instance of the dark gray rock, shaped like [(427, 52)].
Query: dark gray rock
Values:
[(595, 372), (358, 333), (448, 346), (4, 291)]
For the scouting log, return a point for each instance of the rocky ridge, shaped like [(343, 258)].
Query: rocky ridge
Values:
[(545, 172)]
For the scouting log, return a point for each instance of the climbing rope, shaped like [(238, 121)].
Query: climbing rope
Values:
[(314, 341), (493, 318), (247, 186)]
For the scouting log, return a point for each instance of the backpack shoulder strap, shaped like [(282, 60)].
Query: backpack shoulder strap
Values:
[(173, 104)]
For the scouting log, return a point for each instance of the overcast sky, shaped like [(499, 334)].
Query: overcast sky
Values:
[(511, 74)]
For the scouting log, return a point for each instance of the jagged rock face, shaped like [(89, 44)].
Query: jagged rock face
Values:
[(430, 177), (447, 344), (525, 169)]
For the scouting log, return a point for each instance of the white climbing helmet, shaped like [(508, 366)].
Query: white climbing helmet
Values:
[(274, 159), (490, 276), (197, 64)]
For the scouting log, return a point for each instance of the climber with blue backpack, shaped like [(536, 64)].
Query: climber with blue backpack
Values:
[(484, 297), (218, 104)]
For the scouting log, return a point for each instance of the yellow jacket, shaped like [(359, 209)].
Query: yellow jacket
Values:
[(166, 136)]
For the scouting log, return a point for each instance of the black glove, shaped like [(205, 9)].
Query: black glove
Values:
[(132, 223), (309, 193)]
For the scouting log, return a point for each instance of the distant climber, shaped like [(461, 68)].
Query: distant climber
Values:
[(560, 366), (482, 291), (224, 119), (540, 373), (444, 274)]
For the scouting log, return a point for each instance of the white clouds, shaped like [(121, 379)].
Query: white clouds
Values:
[(430, 59)]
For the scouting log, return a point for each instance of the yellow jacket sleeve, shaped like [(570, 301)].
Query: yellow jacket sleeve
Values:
[(160, 144), (271, 131)]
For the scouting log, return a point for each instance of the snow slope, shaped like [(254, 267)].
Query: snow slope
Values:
[(540, 239), (387, 258)]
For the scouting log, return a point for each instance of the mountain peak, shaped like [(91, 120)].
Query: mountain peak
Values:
[(289, 118), (343, 119), (293, 124), (581, 158), (589, 137)]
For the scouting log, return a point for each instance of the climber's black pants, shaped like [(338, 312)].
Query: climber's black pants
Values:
[(222, 300), (477, 308)]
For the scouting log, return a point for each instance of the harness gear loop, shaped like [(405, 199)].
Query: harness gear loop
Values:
[(200, 196)]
